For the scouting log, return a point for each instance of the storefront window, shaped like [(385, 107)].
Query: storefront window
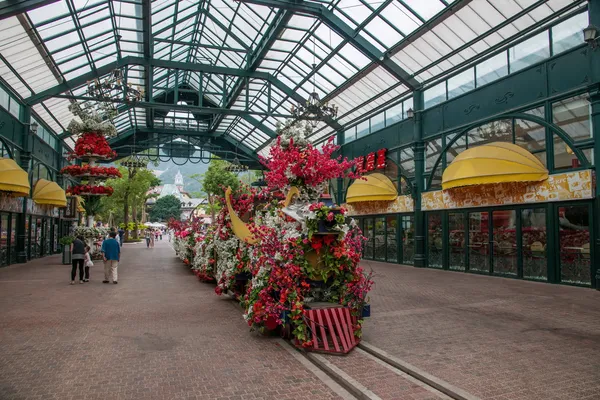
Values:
[(4, 239), (573, 115), (505, 242), (408, 234), (379, 239), (533, 234), (574, 239), (378, 122), (391, 243), (456, 227), (13, 239), (393, 114), (434, 240), (479, 242), (368, 233)]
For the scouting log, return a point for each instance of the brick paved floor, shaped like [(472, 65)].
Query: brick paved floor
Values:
[(496, 338), (158, 334), (381, 380)]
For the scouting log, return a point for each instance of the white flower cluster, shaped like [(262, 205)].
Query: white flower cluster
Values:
[(90, 232), (87, 121)]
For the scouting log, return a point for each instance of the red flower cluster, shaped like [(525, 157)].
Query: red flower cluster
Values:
[(90, 190), (92, 143), (86, 170), (308, 166)]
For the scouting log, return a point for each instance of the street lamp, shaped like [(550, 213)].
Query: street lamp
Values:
[(590, 34)]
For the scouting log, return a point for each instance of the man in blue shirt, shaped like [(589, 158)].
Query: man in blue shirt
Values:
[(111, 253)]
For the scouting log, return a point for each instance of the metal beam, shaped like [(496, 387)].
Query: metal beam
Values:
[(180, 107), (10, 8), (177, 65), (255, 57), (344, 30), (148, 53)]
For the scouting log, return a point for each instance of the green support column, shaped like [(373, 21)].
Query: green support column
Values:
[(594, 16), (25, 159), (595, 105), (419, 151)]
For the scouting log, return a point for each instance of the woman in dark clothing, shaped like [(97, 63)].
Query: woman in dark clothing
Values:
[(77, 258)]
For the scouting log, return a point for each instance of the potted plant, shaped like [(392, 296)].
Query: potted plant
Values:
[(66, 248)]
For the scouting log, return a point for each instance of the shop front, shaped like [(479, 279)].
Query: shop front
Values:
[(382, 205), (511, 218)]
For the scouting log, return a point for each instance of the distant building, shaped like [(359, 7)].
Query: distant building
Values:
[(189, 205)]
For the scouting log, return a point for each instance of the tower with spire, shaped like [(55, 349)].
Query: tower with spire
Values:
[(179, 181)]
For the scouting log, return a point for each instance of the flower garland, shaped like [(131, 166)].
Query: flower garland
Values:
[(88, 170), (93, 190)]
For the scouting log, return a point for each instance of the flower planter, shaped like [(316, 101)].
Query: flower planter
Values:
[(326, 228), (66, 255), (366, 311)]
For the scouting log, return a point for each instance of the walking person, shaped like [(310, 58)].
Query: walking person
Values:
[(77, 258), (152, 234), (88, 263), (148, 238), (111, 254), (160, 232), (121, 234)]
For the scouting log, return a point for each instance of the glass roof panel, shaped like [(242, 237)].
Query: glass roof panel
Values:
[(83, 35)]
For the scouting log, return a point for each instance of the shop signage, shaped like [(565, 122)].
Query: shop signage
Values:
[(373, 161)]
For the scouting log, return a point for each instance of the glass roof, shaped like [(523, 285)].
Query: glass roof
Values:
[(251, 58)]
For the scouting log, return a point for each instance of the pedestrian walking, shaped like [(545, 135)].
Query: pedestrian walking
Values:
[(77, 258), (160, 232), (148, 234), (152, 234), (111, 254), (121, 234), (88, 263)]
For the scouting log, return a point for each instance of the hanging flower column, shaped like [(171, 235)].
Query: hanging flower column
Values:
[(91, 147)]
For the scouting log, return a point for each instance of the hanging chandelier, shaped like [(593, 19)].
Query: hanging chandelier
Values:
[(314, 109), (104, 90)]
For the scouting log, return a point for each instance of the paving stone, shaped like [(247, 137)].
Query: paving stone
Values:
[(495, 338), (158, 334)]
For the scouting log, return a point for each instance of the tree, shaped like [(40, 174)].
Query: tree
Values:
[(166, 208), (214, 181), (130, 193)]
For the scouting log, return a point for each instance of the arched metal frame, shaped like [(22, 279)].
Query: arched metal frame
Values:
[(37, 165), (6, 147), (513, 116)]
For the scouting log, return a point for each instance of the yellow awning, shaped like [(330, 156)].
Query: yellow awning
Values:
[(496, 162), (373, 187), (13, 178), (49, 193)]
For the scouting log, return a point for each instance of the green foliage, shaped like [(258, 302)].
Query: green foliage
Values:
[(166, 208), (66, 240), (134, 188)]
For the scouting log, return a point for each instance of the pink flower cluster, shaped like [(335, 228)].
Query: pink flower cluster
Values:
[(304, 166)]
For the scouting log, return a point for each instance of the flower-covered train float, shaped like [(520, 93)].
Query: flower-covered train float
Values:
[(287, 252)]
